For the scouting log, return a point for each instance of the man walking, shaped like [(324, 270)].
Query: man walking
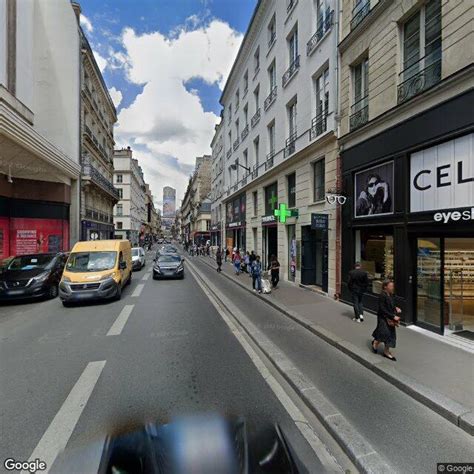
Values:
[(358, 284), (257, 274), (219, 260)]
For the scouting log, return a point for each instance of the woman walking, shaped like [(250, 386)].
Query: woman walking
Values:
[(237, 261), (387, 321), (274, 268), (219, 259)]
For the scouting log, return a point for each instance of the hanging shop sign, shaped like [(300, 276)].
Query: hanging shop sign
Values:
[(283, 212), (442, 177), (269, 219), (319, 221), (234, 224)]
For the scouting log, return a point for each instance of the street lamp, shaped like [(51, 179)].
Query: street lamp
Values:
[(234, 167)]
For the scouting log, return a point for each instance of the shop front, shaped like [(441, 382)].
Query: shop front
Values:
[(410, 218), (270, 224), (236, 224), (216, 235)]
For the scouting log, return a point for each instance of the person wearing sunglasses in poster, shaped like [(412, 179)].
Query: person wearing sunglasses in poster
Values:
[(375, 198)]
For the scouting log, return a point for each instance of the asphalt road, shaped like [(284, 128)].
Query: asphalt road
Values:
[(74, 374), (408, 435)]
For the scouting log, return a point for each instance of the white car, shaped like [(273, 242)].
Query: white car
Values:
[(138, 258)]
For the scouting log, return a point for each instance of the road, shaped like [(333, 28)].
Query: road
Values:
[(70, 375)]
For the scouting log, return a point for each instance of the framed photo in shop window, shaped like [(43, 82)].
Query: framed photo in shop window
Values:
[(373, 191)]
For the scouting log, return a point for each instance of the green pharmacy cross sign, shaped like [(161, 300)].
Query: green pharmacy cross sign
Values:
[(282, 213)]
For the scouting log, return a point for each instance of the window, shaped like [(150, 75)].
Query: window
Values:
[(246, 114), (230, 139), (120, 193), (322, 93), (246, 160), (119, 210), (271, 199), (271, 138), (374, 251), (320, 13), (256, 97), (360, 82), (256, 150), (237, 100), (271, 32), (119, 225), (272, 75), (292, 119), (237, 128), (291, 183), (256, 60), (230, 113), (422, 48), (246, 82), (255, 203), (208, 224), (293, 46), (319, 179), (119, 178)]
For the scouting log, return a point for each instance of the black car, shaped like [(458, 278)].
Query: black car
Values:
[(168, 266), (32, 276)]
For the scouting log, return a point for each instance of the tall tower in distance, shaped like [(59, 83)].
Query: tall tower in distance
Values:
[(169, 207)]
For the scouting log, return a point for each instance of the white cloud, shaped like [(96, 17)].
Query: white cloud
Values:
[(100, 60), (116, 96), (166, 121), (86, 23)]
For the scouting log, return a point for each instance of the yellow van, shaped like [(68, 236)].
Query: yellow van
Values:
[(97, 269)]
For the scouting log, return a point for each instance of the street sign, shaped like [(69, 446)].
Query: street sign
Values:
[(319, 221)]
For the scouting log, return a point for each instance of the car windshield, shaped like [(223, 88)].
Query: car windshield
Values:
[(91, 261), (30, 262), (169, 259), (135, 252)]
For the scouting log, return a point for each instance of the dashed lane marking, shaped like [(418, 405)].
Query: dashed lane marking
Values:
[(146, 276), (138, 290), (121, 320), (57, 435)]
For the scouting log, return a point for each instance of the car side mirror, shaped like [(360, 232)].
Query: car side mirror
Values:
[(123, 265), (182, 259)]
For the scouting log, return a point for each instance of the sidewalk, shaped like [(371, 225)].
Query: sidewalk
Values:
[(435, 373)]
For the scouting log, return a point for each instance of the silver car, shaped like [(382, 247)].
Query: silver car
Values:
[(138, 258), (168, 266)]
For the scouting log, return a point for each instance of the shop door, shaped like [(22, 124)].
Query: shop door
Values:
[(291, 232), (429, 296), (270, 244), (314, 262)]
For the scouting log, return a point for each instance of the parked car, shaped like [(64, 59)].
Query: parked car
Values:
[(32, 276), (168, 266), (138, 258), (97, 269)]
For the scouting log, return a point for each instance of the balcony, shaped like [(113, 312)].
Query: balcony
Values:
[(229, 153), (270, 98), (236, 143), (89, 172), (359, 12), (244, 180), (291, 71), (321, 30), (319, 125), (254, 171), (244, 133), (255, 119), (359, 113), (97, 215), (290, 144), (418, 77), (269, 163)]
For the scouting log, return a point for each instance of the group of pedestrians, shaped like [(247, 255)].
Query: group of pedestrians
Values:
[(388, 315)]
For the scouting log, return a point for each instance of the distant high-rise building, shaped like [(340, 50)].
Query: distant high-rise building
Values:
[(169, 202)]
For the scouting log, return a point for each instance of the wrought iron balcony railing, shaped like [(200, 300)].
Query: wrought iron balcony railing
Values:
[(270, 160), (359, 12), (322, 28), (290, 144), (255, 118), (97, 215), (228, 153), (360, 113), (291, 71), (319, 125), (236, 143), (244, 133), (254, 171), (270, 98), (244, 180), (420, 76), (92, 173)]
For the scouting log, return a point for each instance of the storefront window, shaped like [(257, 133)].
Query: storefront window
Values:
[(374, 250)]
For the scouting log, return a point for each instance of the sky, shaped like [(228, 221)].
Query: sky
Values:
[(165, 63)]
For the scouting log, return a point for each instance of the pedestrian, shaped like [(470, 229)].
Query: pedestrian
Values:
[(237, 262), (247, 262), (226, 255), (358, 283), (257, 274), (252, 259), (387, 320), (274, 268), (219, 260)]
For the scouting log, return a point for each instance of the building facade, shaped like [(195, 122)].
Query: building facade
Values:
[(39, 127), (98, 116), (169, 207), (131, 212), (217, 184), (280, 153), (407, 141)]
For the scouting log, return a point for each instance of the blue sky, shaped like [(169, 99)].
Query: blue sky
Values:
[(165, 63)]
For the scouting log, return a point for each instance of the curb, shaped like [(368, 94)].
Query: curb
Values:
[(361, 452), (456, 413)]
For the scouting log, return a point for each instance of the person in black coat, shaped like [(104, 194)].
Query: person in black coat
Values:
[(385, 331), (358, 284)]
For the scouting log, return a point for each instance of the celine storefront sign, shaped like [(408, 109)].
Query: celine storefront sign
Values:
[(442, 177)]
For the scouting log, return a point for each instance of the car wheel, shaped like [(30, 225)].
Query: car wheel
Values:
[(66, 304), (53, 291), (155, 277), (129, 279), (118, 295)]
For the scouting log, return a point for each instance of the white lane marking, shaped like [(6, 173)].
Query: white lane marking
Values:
[(138, 289), (121, 320), (293, 411), (146, 276), (57, 435)]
